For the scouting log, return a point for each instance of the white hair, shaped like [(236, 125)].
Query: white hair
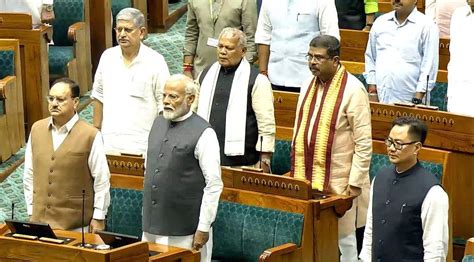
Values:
[(234, 32), (131, 14), (191, 87)]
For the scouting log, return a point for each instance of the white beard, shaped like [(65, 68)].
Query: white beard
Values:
[(177, 113)]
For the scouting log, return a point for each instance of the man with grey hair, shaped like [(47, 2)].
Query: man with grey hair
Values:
[(228, 86), (183, 178), (128, 86)]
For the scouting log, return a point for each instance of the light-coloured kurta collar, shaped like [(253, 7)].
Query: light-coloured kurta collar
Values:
[(140, 56), (67, 127), (413, 17), (182, 118)]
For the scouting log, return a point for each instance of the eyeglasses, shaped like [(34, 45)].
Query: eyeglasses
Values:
[(318, 58), (398, 146), (118, 30), (60, 100)]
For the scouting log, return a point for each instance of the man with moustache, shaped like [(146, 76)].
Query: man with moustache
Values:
[(64, 156), (401, 59), (183, 175), (332, 141), (407, 219), (127, 87), (238, 103)]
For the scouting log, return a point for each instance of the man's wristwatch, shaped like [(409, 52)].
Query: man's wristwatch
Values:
[(416, 101), (48, 8)]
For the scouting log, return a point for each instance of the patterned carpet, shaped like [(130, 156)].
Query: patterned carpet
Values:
[(168, 44)]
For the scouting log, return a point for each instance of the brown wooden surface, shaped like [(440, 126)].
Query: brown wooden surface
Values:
[(34, 69), (15, 21), (100, 29), (385, 6), (37, 250), (159, 19)]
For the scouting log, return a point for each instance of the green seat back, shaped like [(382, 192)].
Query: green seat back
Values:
[(281, 159), (125, 212), (67, 12), (381, 160), (242, 232), (7, 68), (11, 191), (439, 95), (118, 5), (468, 258), (58, 57)]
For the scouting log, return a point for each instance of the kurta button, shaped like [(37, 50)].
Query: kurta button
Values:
[(157, 171), (381, 242), (153, 186), (165, 140), (383, 221), (52, 158), (387, 202), (50, 182), (395, 181), (51, 170), (153, 202), (49, 194), (49, 206), (161, 155)]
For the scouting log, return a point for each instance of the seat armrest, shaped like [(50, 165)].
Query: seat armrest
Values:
[(73, 31), (8, 80), (271, 254)]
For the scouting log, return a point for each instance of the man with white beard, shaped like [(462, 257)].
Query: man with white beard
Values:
[(182, 179)]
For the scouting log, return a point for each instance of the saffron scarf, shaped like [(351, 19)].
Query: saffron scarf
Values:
[(311, 159)]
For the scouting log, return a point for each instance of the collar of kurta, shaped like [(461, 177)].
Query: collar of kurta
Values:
[(68, 126)]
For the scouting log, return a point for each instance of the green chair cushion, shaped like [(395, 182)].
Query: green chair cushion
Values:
[(125, 212), (58, 57), (67, 12), (468, 258), (381, 160), (281, 159), (242, 232), (7, 63), (118, 5), (11, 191), (439, 95)]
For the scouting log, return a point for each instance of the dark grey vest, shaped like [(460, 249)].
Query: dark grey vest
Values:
[(217, 118), (396, 213), (174, 183), (351, 14)]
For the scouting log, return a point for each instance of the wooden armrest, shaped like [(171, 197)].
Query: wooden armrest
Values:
[(8, 80), (469, 250), (344, 204), (73, 29), (271, 253)]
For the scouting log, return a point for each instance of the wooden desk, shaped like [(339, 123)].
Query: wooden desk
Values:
[(34, 68), (13, 248), (100, 29)]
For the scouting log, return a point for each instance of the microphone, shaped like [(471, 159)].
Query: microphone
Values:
[(427, 90), (260, 156), (13, 211), (82, 214)]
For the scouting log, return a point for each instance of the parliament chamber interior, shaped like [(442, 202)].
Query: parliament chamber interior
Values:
[(260, 216)]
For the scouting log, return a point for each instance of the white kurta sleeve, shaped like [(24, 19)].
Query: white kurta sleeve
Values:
[(28, 177)]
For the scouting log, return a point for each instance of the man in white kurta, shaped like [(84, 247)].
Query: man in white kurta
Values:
[(460, 79), (41, 11), (332, 142), (128, 87)]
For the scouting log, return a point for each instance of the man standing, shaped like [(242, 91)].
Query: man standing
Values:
[(407, 218), (460, 78), (401, 59), (206, 19), (332, 142), (183, 176), (238, 103), (41, 11), (65, 157), (355, 14), (127, 87), (285, 28)]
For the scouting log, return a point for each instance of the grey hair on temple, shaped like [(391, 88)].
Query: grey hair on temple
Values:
[(131, 14), (191, 87), (234, 32)]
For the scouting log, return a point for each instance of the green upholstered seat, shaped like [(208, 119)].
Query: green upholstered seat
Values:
[(11, 191), (281, 159), (242, 232), (118, 5), (125, 212), (59, 56), (67, 12), (438, 96), (468, 258), (381, 160), (7, 68)]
